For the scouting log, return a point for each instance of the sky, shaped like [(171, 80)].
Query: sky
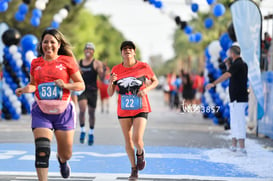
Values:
[(150, 28), (153, 29)]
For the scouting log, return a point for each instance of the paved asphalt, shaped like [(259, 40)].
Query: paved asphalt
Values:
[(174, 145)]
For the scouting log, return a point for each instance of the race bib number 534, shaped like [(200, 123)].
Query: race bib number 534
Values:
[(130, 102), (49, 91)]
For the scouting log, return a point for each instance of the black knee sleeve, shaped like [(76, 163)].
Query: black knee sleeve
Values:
[(42, 152)]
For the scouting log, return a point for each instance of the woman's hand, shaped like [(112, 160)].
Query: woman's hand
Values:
[(60, 83), (19, 91), (113, 78), (142, 93)]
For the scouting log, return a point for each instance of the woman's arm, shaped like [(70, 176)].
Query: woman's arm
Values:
[(31, 87), (111, 87), (76, 85), (152, 85)]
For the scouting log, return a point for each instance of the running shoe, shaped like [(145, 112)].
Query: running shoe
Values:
[(82, 137), (233, 149), (134, 174), (242, 151), (64, 168), (140, 161), (90, 139)]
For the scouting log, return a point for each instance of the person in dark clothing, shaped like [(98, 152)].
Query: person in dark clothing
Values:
[(238, 94), (90, 69), (188, 91)]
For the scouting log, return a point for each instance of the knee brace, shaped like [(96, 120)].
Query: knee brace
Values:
[(42, 152)]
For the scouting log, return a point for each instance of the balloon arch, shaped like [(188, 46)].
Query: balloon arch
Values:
[(18, 52)]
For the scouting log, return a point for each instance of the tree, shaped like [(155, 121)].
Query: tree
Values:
[(185, 50), (79, 27)]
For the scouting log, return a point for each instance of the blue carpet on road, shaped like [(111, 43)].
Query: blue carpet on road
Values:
[(113, 159)]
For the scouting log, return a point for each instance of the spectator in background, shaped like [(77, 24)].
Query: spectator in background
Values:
[(199, 87), (238, 94), (103, 85), (176, 83), (166, 90), (267, 41), (188, 92)]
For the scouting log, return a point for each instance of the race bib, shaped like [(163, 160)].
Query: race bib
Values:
[(130, 102), (50, 91)]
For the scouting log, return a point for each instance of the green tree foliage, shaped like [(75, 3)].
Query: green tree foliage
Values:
[(79, 27), (184, 48)]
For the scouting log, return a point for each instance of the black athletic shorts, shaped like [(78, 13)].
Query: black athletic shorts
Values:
[(91, 97), (142, 114)]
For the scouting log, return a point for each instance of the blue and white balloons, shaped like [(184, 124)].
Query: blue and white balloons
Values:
[(219, 10)]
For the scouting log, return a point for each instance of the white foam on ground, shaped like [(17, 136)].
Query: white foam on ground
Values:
[(258, 161)]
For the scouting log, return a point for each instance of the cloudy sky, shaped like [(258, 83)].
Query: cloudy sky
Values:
[(150, 28)]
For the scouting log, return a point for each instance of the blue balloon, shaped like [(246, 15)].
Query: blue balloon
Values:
[(35, 21), (13, 86), (16, 116), (208, 23), (194, 7), (219, 10), (29, 42), (192, 38), (158, 4), (210, 1), (152, 1), (23, 8), (55, 24), (3, 6), (198, 37), (188, 30), (207, 53), (225, 41), (19, 16), (77, 1), (215, 120), (37, 13), (223, 55)]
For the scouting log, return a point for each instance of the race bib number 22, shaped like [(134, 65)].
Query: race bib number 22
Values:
[(130, 102)]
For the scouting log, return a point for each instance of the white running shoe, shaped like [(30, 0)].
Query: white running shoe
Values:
[(233, 149)]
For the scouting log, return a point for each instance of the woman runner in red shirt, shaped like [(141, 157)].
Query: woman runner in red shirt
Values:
[(130, 78)]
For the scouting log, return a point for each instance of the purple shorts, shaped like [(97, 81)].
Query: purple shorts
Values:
[(63, 121)]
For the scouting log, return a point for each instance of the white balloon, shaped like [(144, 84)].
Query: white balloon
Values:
[(17, 104), (216, 65), (19, 63), (40, 5), (4, 85), (223, 96), (30, 55), (18, 110), (44, 1), (57, 18), (17, 56), (12, 98), (214, 48), (63, 13), (13, 49), (8, 92), (214, 58)]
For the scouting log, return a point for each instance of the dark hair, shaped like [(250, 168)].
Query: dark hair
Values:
[(65, 48), (235, 49), (127, 43)]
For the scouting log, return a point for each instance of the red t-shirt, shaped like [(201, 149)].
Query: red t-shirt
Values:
[(130, 81), (45, 71)]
